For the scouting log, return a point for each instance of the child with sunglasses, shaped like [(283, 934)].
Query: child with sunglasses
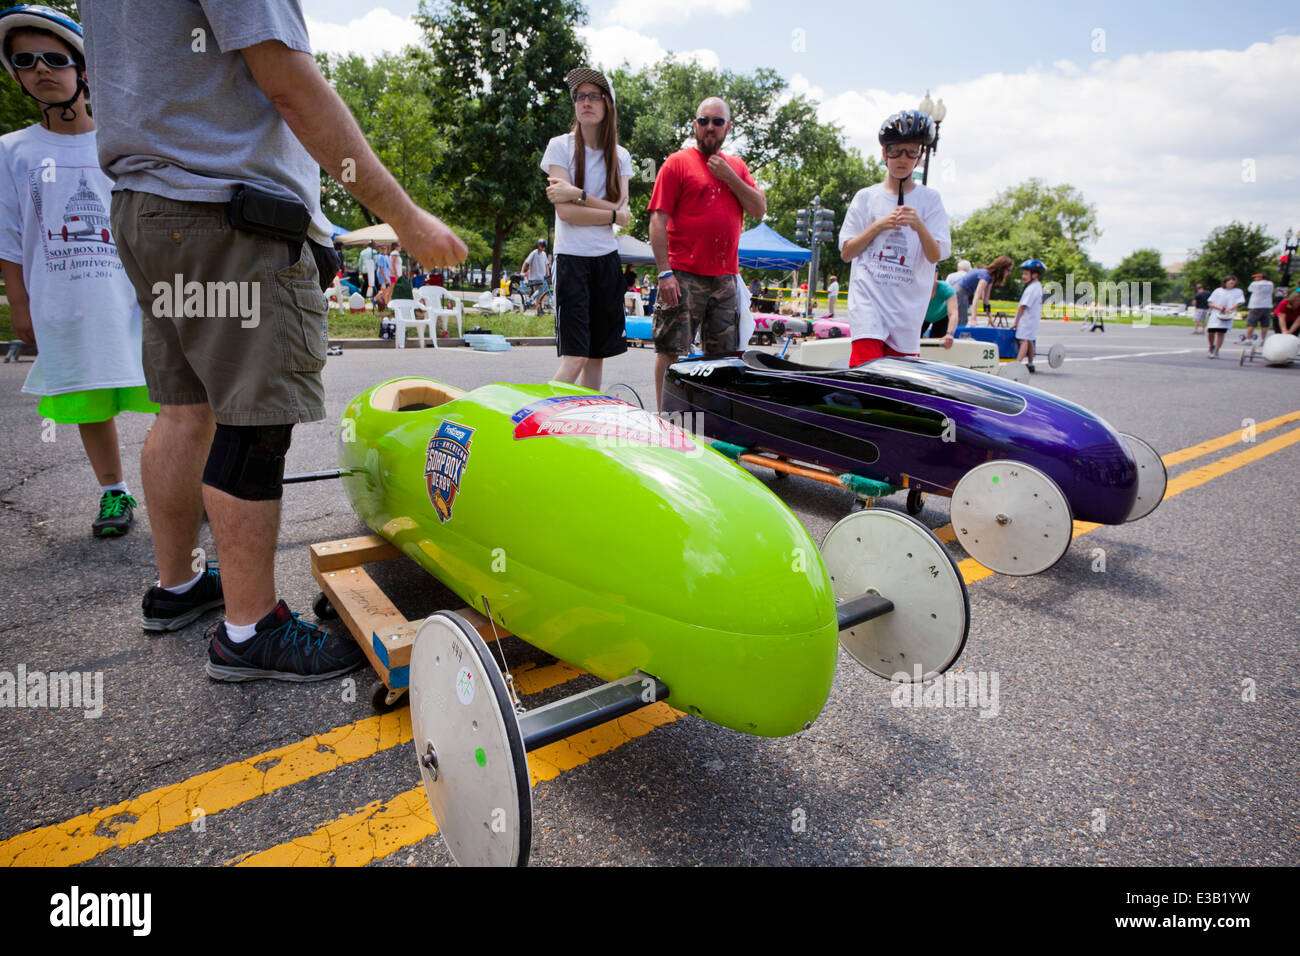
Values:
[(68, 292), (894, 235)]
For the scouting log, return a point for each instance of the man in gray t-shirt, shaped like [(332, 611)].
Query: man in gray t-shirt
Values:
[(196, 101)]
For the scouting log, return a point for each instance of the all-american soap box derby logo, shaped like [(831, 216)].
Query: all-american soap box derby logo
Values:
[(598, 416), (444, 464)]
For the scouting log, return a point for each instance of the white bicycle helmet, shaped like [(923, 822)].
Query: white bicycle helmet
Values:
[(41, 17)]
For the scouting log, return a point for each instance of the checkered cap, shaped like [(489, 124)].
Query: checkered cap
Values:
[(584, 74)]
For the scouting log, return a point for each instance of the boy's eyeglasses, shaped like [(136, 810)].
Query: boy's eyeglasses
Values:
[(588, 97), (706, 120), (893, 152), (54, 60)]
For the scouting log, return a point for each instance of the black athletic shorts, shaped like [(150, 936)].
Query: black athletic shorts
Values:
[(589, 305)]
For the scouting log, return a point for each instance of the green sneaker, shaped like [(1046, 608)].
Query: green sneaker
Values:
[(116, 515)]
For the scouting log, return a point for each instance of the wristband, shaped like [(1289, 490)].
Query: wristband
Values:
[(582, 200), (665, 274), (613, 216)]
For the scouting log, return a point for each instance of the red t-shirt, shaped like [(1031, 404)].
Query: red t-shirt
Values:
[(1286, 311), (704, 215)]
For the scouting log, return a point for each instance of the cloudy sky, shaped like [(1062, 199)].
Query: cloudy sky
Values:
[(1170, 118)]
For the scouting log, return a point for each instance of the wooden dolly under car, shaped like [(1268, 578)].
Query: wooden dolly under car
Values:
[(384, 633)]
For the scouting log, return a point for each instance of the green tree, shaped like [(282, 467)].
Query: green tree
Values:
[(496, 82), (389, 100), (1030, 221), (1143, 265), (17, 109), (1234, 249)]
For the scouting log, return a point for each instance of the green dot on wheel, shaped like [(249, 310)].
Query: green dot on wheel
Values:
[(480, 756), (995, 479)]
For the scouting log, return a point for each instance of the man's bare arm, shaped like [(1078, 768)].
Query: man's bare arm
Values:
[(323, 124)]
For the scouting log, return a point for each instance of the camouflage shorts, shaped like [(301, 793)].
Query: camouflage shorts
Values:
[(707, 305)]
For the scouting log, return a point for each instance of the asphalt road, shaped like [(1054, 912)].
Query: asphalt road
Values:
[(1146, 712)]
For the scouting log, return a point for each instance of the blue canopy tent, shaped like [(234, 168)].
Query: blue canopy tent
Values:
[(764, 248)]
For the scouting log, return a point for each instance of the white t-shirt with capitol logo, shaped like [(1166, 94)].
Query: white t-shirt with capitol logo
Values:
[(54, 222), (889, 286), (571, 240)]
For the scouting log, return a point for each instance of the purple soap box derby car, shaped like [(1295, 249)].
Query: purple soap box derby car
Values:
[(1019, 464)]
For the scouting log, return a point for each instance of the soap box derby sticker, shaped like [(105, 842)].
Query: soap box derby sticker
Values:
[(444, 464), (598, 416)]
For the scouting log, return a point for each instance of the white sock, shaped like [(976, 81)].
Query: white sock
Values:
[(119, 486), (182, 588), (238, 633)]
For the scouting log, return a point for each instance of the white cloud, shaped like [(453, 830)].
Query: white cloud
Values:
[(380, 31), (610, 46), (638, 13), (1158, 142)]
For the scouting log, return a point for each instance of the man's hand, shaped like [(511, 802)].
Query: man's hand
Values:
[(668, 291), (428, 240), (947, 341), (722, 169)]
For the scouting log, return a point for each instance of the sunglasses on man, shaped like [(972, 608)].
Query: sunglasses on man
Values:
[(706, 120), (52, 59), (893, 152)]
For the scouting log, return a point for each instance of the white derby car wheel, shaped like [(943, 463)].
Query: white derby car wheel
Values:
[(1152, 477), (1011, 518), (468, 744), (882, 552), (1056, 355), (1014, 371)]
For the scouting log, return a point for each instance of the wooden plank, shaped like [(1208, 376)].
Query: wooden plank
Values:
[(363, 607), (351, 552)]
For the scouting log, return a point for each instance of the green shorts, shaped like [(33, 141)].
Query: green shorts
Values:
[(95, 405)]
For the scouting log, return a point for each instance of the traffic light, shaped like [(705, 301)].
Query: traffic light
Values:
[(801, 226), (824, 226)]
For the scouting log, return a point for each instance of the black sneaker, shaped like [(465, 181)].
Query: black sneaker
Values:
[(1030, 366), (285, 647), (165, 611), (116, 515)]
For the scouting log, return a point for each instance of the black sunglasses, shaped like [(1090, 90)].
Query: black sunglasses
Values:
[(26, 61), (706, 120)]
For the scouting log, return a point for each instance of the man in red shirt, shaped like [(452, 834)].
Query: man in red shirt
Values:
[(695, 219), (1286, 316)]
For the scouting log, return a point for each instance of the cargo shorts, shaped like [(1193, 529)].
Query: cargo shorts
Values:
[(230, 318), (707, 306)]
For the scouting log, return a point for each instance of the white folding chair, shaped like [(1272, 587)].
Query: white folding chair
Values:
[(404, 318), (438, 303)]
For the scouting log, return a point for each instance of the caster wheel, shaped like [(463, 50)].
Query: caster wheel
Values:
[(915, 501), (323, 609), (385, 700)]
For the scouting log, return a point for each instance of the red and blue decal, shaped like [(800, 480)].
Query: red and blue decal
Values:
[(444, 465), (598, 416)]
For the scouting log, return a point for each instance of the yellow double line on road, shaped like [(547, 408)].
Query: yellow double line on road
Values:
[(381, 828)]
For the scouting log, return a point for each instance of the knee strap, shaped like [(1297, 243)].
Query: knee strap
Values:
[(247, 461)]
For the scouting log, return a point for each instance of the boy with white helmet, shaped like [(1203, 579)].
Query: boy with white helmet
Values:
[(68, 292), (894, 234)]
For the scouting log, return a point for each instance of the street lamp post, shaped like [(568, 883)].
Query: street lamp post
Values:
[(1292, 242), (936, 111)]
